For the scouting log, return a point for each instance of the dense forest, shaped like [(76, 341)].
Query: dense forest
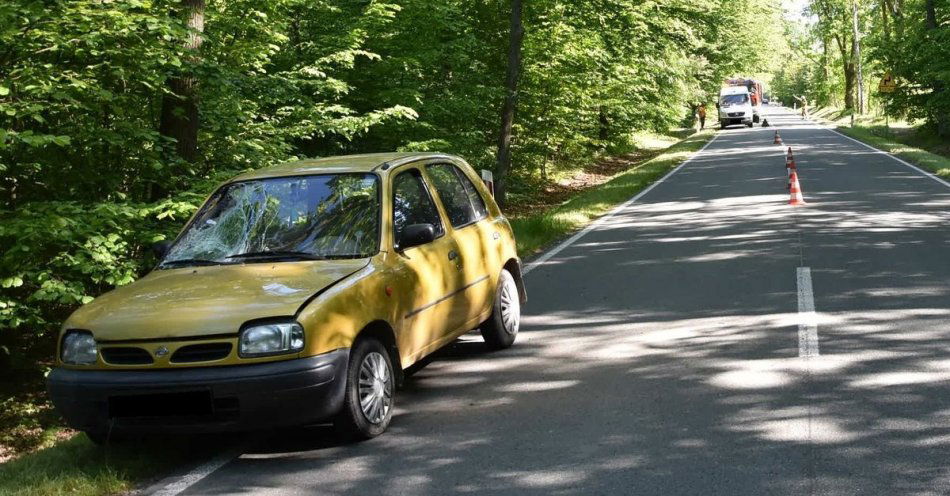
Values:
[(118, 117), (840, 55)]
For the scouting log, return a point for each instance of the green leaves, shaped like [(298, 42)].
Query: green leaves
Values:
[(89, 183)]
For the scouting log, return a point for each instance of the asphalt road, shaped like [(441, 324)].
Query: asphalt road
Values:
[(661, 352)]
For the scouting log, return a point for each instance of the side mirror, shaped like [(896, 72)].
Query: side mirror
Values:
[(415, 235), (717, 105), (160, 249)]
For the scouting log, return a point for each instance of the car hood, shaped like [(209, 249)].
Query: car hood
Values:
[(209, 300)]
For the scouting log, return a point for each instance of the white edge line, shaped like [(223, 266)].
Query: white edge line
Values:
[(808, 319), (600, 220), (882, 152), (182, 483)]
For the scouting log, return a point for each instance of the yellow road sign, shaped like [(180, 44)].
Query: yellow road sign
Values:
[(887, 84)]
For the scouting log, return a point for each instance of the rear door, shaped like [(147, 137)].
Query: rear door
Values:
[(466, 213)]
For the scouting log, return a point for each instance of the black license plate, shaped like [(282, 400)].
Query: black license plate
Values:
[(182, 404)]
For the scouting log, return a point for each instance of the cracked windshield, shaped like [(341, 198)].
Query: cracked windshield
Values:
[(311, 217)]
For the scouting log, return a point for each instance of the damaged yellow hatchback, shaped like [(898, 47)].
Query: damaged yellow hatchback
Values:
[(296, 294)]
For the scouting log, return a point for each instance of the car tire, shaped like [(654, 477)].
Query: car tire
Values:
[(369, 392), (722, 124), (501, 328), (749, 124)]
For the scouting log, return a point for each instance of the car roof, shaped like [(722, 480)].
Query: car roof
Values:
[(366, 162)]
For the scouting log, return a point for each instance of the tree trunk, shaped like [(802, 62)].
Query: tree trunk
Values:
[(511, 100), (849, 74), (940, 117), (179, 118), (603, 125), (856, 55), (824, 96), (931, 14)]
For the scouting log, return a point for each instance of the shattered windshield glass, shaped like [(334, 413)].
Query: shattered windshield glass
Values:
[(301, 218)]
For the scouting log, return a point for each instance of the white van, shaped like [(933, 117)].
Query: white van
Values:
[(735, 106)]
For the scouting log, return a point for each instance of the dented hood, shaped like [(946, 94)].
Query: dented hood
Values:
[(202, 301)]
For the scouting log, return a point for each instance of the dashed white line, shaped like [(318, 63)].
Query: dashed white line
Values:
[(807, 318), (593, 225)]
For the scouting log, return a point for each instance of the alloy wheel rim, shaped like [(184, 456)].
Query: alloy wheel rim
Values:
[(375, 388), (510, 307)]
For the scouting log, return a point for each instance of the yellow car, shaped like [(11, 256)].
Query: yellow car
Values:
[(296, 294)]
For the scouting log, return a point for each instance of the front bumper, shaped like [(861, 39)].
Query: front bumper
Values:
[(212, 399), (736, 119)]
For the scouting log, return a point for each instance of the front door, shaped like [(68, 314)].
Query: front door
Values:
[(428, 278)]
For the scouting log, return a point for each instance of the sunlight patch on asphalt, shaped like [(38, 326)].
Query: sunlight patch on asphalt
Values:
[(544, 478), (520, 387), (797, 424)]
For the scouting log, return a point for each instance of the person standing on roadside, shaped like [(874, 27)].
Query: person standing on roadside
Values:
[(701, 112), (804, 101)]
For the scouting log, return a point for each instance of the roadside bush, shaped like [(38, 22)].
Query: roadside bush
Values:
[(59, 255)]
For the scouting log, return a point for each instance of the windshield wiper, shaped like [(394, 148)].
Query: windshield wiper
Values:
[(278, 254), (189, 261)]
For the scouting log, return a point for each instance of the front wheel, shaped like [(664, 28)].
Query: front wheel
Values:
[(368, 399), (748, 124), (501, 328)]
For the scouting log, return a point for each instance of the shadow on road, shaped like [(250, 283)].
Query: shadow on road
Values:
[(659, 354)]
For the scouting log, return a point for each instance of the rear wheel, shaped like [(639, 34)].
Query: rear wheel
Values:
[(501, 328), (368, 399)]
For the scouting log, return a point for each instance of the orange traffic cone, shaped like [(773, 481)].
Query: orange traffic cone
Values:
[(789, 168), (778, 139), (795, 190)]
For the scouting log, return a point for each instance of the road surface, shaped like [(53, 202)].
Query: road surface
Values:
[(706, 339)]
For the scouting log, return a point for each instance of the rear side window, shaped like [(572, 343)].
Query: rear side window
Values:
[(461, 200), (412, 204)]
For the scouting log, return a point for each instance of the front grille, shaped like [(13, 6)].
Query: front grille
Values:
[(126, 356), (204, 352), (736, 114)]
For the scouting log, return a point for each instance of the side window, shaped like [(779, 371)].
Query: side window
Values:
[(412, 204), (461, 200)]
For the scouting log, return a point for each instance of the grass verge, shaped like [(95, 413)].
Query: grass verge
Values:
[(900, 139), (537, 230), (79, 468)]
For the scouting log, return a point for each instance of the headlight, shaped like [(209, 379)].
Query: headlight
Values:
[(271, 339), (79, 348)]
